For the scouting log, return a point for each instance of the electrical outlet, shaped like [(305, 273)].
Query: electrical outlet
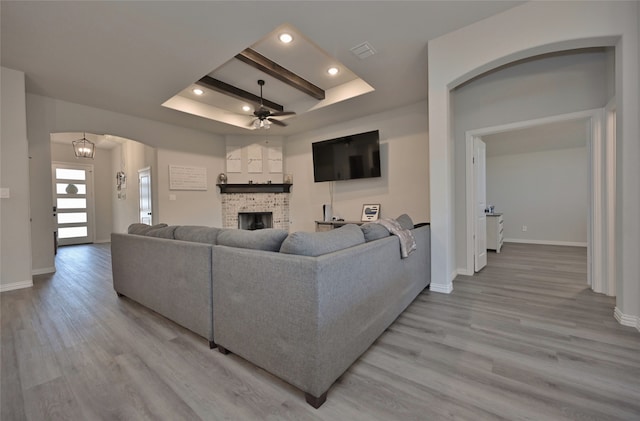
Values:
[(524, 228)]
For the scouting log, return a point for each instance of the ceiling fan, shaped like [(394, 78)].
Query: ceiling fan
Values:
[(264, 116)]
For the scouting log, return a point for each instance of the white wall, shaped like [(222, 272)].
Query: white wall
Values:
[(190, 207), (546, 191), (48, 115), (535, 88), (265, 141), (524, 31), (403, 187), (15, 241), (637, 314), (102, 185)]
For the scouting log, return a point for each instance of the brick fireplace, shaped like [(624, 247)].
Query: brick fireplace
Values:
[(236, 203)]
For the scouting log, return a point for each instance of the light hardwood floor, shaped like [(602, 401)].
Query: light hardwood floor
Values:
[(523, 339)]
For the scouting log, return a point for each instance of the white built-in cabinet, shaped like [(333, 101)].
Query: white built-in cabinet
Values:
[(495, 231)]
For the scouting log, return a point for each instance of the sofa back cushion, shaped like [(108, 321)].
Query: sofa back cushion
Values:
[(162, 232), (373, 231), (143, 229), (268, 239), (405, 221), (318, 243), (197, 234)]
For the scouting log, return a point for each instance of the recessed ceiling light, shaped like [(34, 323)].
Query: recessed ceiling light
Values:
[(333, 71), (198, 91), (285, 38), (246, 108)]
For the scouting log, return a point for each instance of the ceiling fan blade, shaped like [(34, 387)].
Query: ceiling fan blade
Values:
[(280, 113), (277, 122)]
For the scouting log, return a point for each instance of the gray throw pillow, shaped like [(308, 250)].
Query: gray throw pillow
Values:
[(268, 239), (405, 221), (318, 243), (197, 234), (142, 229), (373, 231), (163, 232)]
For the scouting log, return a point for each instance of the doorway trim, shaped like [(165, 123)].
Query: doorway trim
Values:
[(601, 151), (146, 195)]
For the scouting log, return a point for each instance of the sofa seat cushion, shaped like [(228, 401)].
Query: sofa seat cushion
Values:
[(269, 239), (162, 232), (318, 243), (143, 229), (373, 231), (197, 234)]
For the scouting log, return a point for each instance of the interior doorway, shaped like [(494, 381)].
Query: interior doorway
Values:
[(601, 192), (146, 204)]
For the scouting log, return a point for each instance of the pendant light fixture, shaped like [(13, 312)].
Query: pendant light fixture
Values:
[(84, 148)]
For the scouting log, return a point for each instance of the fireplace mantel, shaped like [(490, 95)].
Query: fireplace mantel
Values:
[(255, 188)]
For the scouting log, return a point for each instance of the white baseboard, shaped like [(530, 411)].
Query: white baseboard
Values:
[(464, 271), (16, 285), (108, 240), (42, 271), (626, 319), (444, 289), (546, 242)]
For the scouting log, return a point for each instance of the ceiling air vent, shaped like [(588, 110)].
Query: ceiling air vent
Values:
[(363, 50)]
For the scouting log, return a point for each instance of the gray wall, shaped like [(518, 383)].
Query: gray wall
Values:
[(15, 244), (534, 88), (403, 187), (546, 191), (130, 156)]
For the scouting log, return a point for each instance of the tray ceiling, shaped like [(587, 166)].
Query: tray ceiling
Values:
[(302, 57)]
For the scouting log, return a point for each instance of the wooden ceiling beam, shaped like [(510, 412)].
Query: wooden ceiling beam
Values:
[(260, 62), (225, 88)]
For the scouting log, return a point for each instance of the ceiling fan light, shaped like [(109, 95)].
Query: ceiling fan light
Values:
[(262, 124)]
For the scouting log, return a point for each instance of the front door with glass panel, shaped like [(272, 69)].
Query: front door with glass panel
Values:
[(73, 202)]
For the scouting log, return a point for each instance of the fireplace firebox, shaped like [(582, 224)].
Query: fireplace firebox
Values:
[(255, 220)]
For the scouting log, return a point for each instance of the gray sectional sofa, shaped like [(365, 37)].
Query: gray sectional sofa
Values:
[(169, 270), (302, 306)]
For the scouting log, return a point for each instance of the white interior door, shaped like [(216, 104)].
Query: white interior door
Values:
[(73, 202), (480, 202), (144, 181)]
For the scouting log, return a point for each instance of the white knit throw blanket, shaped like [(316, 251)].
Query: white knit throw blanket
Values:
[(407, 242)]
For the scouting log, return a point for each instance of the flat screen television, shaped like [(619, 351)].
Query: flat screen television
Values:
[(347, 157)]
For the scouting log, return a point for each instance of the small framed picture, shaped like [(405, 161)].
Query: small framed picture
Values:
[(370, 212)]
